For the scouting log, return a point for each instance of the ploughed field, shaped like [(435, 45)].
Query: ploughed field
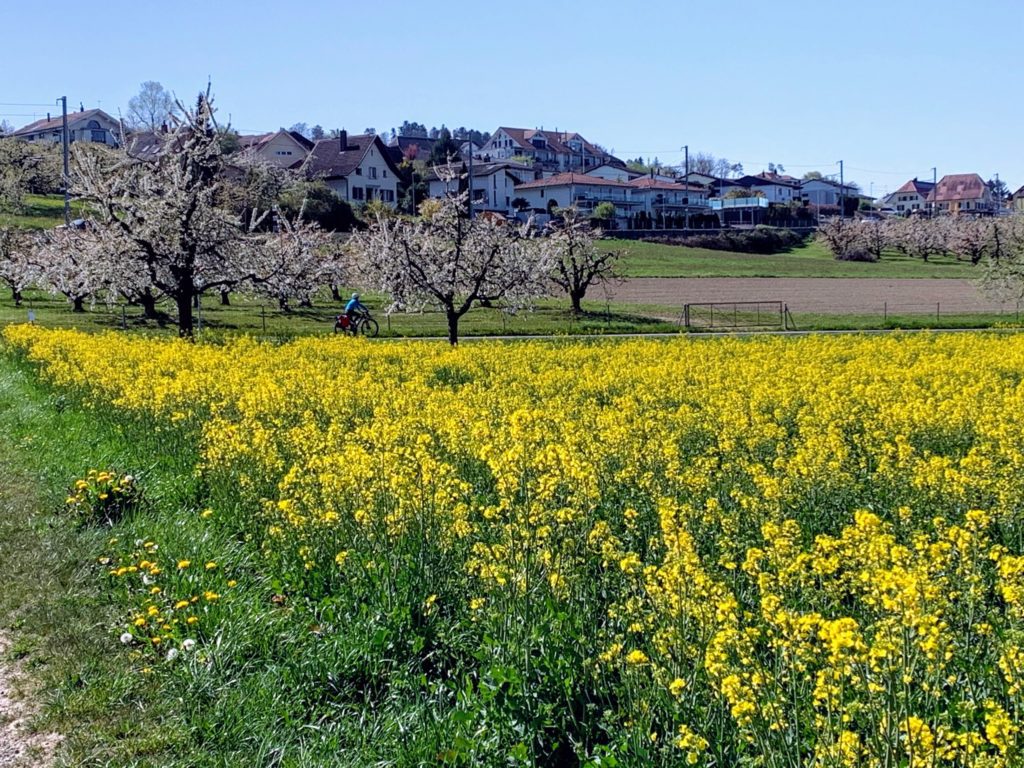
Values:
[(752, 552)]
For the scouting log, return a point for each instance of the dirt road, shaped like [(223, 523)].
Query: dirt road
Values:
[(847, 296)]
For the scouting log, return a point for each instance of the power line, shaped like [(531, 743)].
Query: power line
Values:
[(22, 104)]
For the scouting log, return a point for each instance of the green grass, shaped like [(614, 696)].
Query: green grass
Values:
[(250, 316), (810, 260), (40, 212), (60, 620)]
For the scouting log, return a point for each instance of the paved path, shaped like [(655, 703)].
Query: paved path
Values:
[(825, 295)]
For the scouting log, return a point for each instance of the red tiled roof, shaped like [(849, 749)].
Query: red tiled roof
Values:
[(958, 186), (565, 179), (917, 187)]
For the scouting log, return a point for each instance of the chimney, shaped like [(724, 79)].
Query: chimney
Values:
[(47, 117), (343, 140)]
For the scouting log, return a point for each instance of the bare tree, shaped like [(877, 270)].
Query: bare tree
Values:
[(577, 263), (448, 261), (152, 108)]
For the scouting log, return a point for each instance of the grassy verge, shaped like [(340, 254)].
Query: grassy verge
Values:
[(61, 621), (246, 315), (811, 260)]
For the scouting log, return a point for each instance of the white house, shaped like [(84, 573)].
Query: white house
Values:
[(89, 125), (553, 151), (584, 192), (357, 168), (912, 196), (643, 198), (494, 184), (282, 148), (614, 171), (668, 198)]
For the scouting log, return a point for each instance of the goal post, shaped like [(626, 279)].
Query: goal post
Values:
[(735, 315)]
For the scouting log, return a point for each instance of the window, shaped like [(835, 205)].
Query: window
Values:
[(357, 193), (283, 152), (100, 136), (387, 195), (373, 172), (359, 171), (385, 173)]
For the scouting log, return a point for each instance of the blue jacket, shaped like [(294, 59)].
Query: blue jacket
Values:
[(353, 306)]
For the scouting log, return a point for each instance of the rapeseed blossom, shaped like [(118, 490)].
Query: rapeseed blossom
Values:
[(808, 549)]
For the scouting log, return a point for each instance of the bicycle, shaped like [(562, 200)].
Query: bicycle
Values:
[(361, 325)]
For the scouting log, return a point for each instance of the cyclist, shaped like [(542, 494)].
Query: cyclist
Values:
[(354, 309)]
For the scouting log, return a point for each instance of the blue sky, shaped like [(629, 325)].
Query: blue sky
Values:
[(893, 89)]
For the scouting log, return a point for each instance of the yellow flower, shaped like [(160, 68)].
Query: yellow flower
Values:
[(183, 564), (636, 658)]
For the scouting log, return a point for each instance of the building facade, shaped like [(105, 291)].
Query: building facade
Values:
[(90, 125), (357, 168)]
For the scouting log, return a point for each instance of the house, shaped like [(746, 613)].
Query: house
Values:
[(585, 192), (616, 171), (554, 151), (665, 200), (357, 168), (494, 184), (704, 179), (1018, 201), (911, 197), (962, 193), (826, 191), (89, 125), (282, 148), (644, 198), (411, 148), (775, 187)]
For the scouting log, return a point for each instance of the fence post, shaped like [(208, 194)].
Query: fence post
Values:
[(263, 314), (885, 312), (937, 311)]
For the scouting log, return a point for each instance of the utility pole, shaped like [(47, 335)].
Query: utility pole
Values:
[(935, 191), (842, 193), (470, 179), (67, 170), (686, 184)]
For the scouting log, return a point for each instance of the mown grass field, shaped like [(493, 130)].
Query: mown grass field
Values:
[(40, 212), (768, 552), (810, 260)]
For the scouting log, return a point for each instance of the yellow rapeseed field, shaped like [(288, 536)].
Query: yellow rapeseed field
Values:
[(732, 552)]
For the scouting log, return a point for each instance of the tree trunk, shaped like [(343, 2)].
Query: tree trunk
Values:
[(453, 327), (335, 293), (16, 295), (148, 302), (78, 304), (576, 297), (283, 305), (184, 302), (225, 298), (307, 303), (195, 301)]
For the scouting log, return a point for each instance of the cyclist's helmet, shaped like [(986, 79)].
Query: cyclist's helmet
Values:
[(355, 296)]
